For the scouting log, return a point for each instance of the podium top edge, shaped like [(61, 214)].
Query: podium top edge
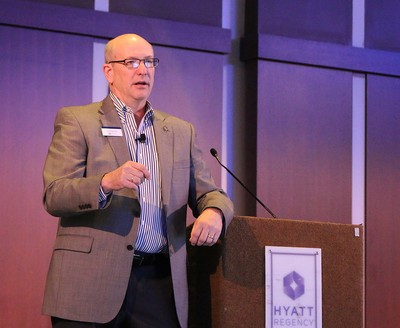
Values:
[(295, 221)]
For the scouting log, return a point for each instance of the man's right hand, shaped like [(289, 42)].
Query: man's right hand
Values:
[(128, 175)]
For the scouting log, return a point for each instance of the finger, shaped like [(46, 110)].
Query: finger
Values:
[(131, 182), (210, 240), (134, 179), (202, 239), (194, 237), (140, 170)]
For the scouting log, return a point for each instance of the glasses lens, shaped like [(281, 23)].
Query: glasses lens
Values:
[(134, 62), (151, 62)]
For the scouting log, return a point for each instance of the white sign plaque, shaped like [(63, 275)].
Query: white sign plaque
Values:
[(293, 287)]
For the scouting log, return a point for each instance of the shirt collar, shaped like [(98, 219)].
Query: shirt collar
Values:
[(122, 109)]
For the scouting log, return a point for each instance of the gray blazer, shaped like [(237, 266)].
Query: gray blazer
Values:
[(91, 260)]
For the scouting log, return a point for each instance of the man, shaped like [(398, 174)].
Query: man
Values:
[(120, 176)]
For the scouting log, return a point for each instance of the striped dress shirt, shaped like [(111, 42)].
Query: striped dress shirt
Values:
[(152, 227)]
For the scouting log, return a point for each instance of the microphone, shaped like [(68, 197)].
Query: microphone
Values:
[(142, 138), (215, 154)]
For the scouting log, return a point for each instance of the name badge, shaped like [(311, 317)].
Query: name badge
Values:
[(111, 132)]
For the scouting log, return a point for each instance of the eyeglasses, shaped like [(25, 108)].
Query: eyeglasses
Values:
[(135, 63)]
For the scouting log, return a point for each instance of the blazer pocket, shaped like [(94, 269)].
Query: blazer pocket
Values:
[(75, 243)]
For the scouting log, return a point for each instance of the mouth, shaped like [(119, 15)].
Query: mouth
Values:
[(142, 83)]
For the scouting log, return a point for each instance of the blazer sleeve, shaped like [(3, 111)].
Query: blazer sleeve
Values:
[(203, 191), (67, 188)]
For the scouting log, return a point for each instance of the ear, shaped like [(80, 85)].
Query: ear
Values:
[(108, 72)]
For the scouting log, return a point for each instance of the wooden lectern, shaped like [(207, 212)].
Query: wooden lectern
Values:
[(227, 281)]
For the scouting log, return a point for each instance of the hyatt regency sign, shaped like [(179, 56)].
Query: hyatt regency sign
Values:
[(293, 288)]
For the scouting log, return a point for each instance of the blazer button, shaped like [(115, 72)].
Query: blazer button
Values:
[(129, 248)]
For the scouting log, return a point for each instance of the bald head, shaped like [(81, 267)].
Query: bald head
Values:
[(114, 46)]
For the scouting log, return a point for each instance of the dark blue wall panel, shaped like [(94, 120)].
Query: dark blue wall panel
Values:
[(204, 12), (89, 4), (382, 24), (329, 21)]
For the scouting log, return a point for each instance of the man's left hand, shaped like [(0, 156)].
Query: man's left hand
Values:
[(207, 228)]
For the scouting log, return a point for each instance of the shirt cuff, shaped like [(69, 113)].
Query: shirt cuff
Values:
[(103, 197)]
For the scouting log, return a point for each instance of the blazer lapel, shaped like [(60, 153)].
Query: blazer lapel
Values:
[(164, 142), (110, 119)]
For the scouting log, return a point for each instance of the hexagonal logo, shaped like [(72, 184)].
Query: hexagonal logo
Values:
[(293, 285)]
